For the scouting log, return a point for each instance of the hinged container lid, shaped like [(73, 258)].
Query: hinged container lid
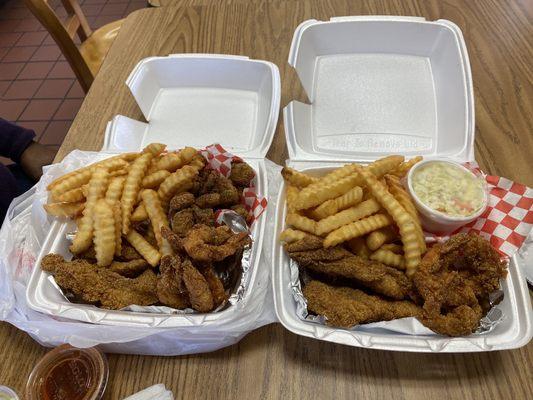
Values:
[(199, 99), (379, 85)]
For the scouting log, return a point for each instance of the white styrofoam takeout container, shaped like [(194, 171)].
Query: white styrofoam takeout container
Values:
[(188, 100), (381, 85)]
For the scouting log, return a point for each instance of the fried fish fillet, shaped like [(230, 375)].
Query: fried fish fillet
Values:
[(129, 269), (99, 285), (338, 262), (170, 287), (199, 292), (347, 307)]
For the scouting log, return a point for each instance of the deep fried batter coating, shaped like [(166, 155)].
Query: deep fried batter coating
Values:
[(129, 269), (204, 216), (338, 262), (346, 307), (310, 242), (199, 292), (89, 254), (170, 287), (174, 240), (207, 179), (183, 221), (128, 252), (241, 174), (180, 202), (205, 243), (241, 210), (99, 285), (455, 280), (215, 285), (217, 191)]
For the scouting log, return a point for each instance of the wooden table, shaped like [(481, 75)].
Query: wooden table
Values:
[(271, 362)]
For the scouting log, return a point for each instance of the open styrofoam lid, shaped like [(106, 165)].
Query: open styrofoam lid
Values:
[(379, 85), (198, 99)]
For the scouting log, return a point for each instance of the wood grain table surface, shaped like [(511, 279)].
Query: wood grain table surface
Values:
[(271, 363)]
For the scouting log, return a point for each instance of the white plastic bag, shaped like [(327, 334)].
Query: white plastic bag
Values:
[(21, 237)]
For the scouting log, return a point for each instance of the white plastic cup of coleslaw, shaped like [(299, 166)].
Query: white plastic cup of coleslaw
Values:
[(446, 195)]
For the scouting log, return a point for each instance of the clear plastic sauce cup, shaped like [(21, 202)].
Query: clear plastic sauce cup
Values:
[(69, 373)]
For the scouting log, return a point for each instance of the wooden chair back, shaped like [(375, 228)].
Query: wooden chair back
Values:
[(64, 33)]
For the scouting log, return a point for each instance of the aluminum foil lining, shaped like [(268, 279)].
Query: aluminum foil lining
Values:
[(408, 326), (237, 224)]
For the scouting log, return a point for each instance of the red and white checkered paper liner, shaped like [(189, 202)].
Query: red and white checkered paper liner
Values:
[(508, 218), (220, 160)]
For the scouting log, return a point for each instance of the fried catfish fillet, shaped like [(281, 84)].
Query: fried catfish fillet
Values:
[(346, 307), (455, 280), (99, 285), (338, 262), (129, 269)]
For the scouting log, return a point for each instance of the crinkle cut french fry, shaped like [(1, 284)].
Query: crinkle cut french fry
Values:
[(117, 213), (104, 233), (107, 163), (97, 187), (382, 166), (177, 182), (131, 188), (84, 175), (173, 161), (71, 196), (336, 174), (405, 222), (400, 194), (118, 172), (362, 210), (302, 223), (155, 179), (358, 246), (330, 207), (65, 210), (297, 178), (72, 182), (375, 239), (356, 229), (145, 249), (155, 149), (292, 235), (379, 168), (198, 162), (292, 194), (395, 248), (315, 194), (401, 170), (114, 190), (389, 258), (156, 214), (139, 214)]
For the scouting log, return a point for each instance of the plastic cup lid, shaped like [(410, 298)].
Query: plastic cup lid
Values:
[(69, 373)]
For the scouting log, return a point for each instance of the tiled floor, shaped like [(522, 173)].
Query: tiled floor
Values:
[(38, 89)]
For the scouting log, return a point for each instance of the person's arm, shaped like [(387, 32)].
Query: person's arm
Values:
[(14, 140)]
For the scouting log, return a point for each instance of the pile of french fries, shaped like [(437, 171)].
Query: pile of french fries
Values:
[(106, 197), (365, 207)]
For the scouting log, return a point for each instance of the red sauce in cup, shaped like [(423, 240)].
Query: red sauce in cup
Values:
[(68, 373)]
